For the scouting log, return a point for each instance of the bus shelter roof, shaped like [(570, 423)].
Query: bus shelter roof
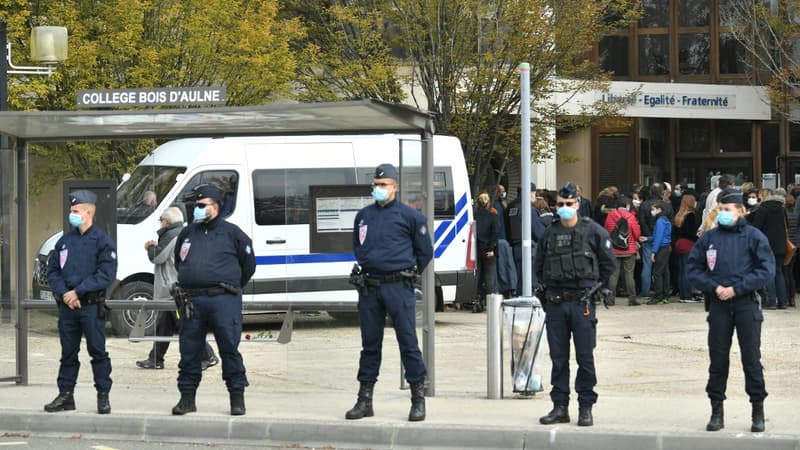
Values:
[(361, 116)]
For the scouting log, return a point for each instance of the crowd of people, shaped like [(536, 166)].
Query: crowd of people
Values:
[(655, 227)]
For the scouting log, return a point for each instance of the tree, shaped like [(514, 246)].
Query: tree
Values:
[(769, 33), (461, 58), (241, 44)]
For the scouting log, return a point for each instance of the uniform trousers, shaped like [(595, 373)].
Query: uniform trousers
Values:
[(72, 323), (222, 315), (563, 319), (167, 325), (745, 316), (397, 299)]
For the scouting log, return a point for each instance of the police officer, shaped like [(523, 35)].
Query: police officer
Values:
[(390, 242), (729, 263), (214, 260), (80, 269), (515, 235), (574, 255), (162, 254)]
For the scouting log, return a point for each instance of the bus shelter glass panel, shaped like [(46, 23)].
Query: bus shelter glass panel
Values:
[(8, 292)]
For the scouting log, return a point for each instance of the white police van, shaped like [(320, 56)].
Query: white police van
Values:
[(272, 178)]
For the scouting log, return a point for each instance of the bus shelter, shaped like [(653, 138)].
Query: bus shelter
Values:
[(25, 128)]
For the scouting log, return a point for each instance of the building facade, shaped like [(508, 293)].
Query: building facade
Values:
[(690, 104)]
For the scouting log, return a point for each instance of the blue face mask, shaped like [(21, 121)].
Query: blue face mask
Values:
[(566, 213), (75, 220), (200, 214), (380, 194), (725, 218)]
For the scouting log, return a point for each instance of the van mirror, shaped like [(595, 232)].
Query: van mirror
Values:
[(125, 177)]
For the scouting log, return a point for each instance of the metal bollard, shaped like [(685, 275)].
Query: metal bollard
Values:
[(494, 346)]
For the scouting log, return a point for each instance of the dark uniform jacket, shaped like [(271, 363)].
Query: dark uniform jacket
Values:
[(207, 254), (737, 256), (85, 262), (486, 230), (770, 218), (391, 238), (598, 254), (514, 225)]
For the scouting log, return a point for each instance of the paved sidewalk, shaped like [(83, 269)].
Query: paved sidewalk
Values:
[(651, 364)]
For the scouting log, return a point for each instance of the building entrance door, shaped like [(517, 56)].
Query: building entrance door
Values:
[(614, 161)]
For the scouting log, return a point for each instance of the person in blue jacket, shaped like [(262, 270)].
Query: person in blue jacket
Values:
[(214, 260), (661, 241), (391, 244), (516, 236), (729, 263), (80, 269)]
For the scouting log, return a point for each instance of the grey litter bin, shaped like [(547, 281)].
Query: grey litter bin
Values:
[(525, 319)]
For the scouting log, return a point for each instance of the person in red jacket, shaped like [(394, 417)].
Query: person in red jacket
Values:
[(626, 259)]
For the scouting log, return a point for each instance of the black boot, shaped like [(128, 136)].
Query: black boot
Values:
[(103, 403), (585, 416), (185, 404), (237, 403), (559, 414), (63, 402), (717, 420), (417, 412), (633, 301), (758, 417), (363, 406)]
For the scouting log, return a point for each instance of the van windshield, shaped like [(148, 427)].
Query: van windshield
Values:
[(138, 197)]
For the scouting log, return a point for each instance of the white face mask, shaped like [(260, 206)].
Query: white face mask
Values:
[(636, 203), (752, 201)]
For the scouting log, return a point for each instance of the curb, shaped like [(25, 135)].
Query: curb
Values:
[(373, 434)]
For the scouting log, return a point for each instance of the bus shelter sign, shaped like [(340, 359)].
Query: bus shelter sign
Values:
[(120, 98)]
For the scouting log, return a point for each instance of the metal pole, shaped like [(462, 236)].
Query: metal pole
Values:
[(5, 188), (428, 280), (22, 259), (494, 346), (525, 153)]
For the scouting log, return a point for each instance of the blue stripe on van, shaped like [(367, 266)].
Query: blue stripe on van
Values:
[(301, 259), (447, 228)]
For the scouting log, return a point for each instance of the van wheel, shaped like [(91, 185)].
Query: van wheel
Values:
[(122, 321)]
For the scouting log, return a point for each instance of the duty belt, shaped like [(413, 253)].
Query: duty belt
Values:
[(377, 280), (563, 295), (212, 291), (90, 298)]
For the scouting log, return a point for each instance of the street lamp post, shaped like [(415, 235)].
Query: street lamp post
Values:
[(48, 45)]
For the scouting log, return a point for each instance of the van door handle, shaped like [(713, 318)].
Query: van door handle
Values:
[(276, 241)]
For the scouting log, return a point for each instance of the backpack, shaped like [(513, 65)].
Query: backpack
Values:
[(619, 235)]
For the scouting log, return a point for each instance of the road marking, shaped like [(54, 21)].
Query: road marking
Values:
[(9, 444), (102, 447)]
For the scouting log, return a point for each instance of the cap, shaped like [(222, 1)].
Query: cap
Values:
[(82, 196), (730, 196), (208, 191), (386, 171), (568, 191)]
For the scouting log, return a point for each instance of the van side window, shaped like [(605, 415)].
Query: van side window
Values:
[(280, 196), (227, 180), (443, 202)]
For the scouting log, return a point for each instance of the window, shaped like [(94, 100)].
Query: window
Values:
[(734, 136), (281, 195), (653, 54), (655, 14), (694, 53), (138, 197), (225, 179), (693, 13), (794, 137), (732, 55), (614, 54), (695, 136)]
